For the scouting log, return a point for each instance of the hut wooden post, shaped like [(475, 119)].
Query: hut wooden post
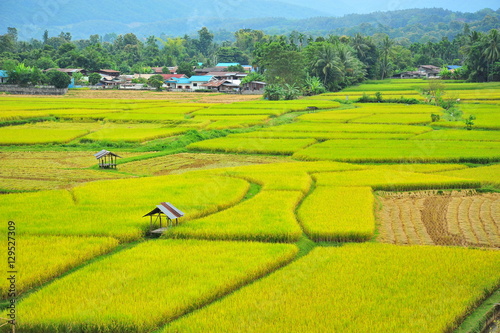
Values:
[(171, 213), (106, 159)]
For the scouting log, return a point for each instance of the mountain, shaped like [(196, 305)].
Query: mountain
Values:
[(33, 17), (344, 7), (223, 17)]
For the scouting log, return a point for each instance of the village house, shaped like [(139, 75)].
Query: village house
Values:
[(423, 71), (110, 82), (222, 86), (169, 77), (108, 72), (69, 71), (142, 76), (234, 77), (205, 71), (254, 87), (225, 65), (198, 80), (193, 83), (159, 70), (429, 71), (409, 75), (3, 76), (182, 83)]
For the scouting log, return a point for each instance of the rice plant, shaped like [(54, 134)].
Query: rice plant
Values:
[(140, 289), (338, 214), (358, 288)]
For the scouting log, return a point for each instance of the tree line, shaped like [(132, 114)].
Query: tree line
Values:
[(290, 62)]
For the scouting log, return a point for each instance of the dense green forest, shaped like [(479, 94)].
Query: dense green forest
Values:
[(177, 18), (331, 62)]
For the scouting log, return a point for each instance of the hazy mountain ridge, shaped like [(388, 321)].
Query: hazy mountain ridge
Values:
[(176, 18), (33, 17)]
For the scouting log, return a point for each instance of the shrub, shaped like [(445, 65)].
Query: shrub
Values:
[(58, 79), (94, 78), (273, 92)]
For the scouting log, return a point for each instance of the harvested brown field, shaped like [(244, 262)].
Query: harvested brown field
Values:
[(48, 170), (180, 163), (456, 218), (163, 95), (150, 95)]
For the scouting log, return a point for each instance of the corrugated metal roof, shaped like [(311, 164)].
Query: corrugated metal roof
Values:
[(258, 82), (176, 213), (168, 209), (170, 76), (181, 80), (103, 153), (227, 64), (108, 71), (216, 83), (200, 78), (224, 74), (234, 85)]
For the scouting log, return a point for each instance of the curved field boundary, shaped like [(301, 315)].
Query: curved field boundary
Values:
[(455, 219)]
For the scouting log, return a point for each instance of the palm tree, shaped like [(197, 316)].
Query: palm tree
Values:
[(492, 51), (294, 36), (359, 45), (385, 52), (324, 64), (347, 67), (301, 38)]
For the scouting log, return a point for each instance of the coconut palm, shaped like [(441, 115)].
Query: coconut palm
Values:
[(359, 45), (324, 63), (385, 52), (492, 51), (348, 68)]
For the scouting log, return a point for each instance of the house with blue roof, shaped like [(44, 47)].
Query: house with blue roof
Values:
[(193, 83), (3, 76), (198, 80), (227, 64)]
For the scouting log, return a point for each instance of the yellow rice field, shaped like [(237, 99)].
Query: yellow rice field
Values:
[(355, 288), (279, 232), (123, 300), (338, 214)]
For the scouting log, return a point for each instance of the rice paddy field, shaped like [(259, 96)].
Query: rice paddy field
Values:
[(314, 215)]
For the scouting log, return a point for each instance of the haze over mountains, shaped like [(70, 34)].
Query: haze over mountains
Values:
[(343, 7), (177, 17)]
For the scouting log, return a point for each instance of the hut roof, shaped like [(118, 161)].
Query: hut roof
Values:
[(103, 153), (168, 209)]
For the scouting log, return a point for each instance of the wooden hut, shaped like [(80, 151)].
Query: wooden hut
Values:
[(171, 214), (106, 159)]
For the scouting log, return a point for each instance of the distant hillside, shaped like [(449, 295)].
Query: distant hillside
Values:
[(344, 7), (177, 18), (85, 17)]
